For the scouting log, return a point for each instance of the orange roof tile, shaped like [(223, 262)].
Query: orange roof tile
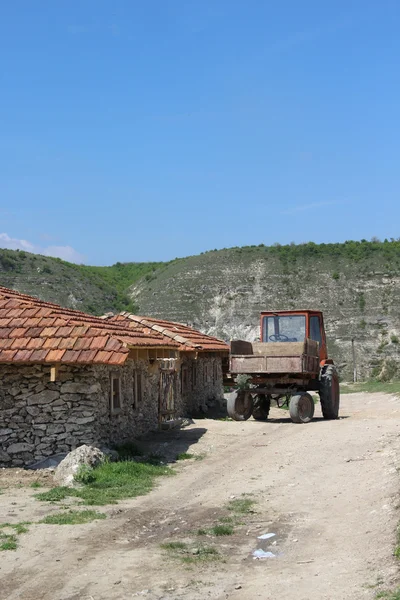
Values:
[(32, 330), (189, 339)]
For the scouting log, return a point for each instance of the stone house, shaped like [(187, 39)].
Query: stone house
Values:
[(68, 378)]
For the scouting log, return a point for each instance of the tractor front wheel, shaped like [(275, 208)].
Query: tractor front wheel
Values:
[(240, 405), (301, 408), (262, 404)]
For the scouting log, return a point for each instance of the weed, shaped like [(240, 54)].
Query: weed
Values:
[(201, 554), (394, 339), (191, 554), (36, 484), (73, 517), (55, 494), (112, 482), (184, 456), (174, 546), (220, 530), (8, 541), (393, 595), (84, 474), (202, 531), (241, 505)]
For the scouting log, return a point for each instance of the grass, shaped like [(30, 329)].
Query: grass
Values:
[(222, 529), (184, 456), (371, 386), (217, 530), (111, 482), (191, 554), (241, 506), (174, 546), (389, 595), (36, 484), (9, 541), (73, 517)]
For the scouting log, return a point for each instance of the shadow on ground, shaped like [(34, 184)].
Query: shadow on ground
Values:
[(169, 444)]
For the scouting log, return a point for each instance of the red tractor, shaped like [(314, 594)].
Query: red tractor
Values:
[(290, 361)]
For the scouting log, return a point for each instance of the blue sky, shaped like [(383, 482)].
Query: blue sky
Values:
[(134, 131)]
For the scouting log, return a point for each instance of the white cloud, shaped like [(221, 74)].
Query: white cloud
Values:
[(303, 207), (14, 244), (65, 252)]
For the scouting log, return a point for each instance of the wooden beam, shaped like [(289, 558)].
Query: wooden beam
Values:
[(54, 372)]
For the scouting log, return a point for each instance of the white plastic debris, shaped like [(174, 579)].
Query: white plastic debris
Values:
[(266, 536), (263, 554)]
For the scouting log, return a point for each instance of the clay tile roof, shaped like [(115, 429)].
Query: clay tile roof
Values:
[(189, 339), (32, 330)]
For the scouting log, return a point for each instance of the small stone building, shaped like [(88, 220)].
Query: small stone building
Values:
[(67, 378)]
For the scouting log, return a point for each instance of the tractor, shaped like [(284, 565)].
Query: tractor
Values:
[(289, 362)]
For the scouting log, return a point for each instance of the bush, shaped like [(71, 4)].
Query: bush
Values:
[(84, 475)]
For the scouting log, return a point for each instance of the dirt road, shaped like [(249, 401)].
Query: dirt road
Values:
[(328, 490)]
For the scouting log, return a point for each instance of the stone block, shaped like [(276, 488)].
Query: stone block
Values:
[(20, 447), (44, 397)]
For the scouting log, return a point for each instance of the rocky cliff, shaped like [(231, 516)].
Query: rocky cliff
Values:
[(356, 285)]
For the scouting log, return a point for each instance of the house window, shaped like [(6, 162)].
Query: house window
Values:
[(194, 376), (215, 373), (115, 394), (136, 389), (184, 380)]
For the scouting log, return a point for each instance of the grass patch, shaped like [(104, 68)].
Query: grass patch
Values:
[(223, 529), (36, 484), (9, 533), (174, 546), (73, 517), (241, 506), (217, 530), (111, 482), (371, 386), (191, 554), (393, 595), (185, 456)]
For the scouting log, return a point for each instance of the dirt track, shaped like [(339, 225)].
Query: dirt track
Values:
[(328, 490)]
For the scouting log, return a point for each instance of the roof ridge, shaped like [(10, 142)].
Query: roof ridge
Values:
[(163, 330)]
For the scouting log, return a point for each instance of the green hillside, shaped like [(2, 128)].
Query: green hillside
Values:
[(221, 292), (95, 290)]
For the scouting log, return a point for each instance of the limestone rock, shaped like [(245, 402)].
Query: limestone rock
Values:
[(44, 397), (4, 457), (67, 469), (20, 447)]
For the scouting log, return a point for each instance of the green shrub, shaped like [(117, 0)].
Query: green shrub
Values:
[(85, 474)]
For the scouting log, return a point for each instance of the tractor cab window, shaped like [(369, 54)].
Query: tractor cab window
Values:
[(288, 328), (315, 329)]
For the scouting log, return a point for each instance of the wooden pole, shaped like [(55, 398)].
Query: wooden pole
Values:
[(354, 361)]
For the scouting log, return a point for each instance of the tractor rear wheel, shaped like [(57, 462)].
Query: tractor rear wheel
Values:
[(329, 392), (262, 404), (240, 405), (301, 408)]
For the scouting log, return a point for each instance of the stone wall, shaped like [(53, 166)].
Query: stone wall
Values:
[(39, 418), (202, 383)]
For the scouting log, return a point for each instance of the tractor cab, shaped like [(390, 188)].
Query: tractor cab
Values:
[(294, 326)]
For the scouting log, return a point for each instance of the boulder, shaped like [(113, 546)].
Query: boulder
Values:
[(67, 469)]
